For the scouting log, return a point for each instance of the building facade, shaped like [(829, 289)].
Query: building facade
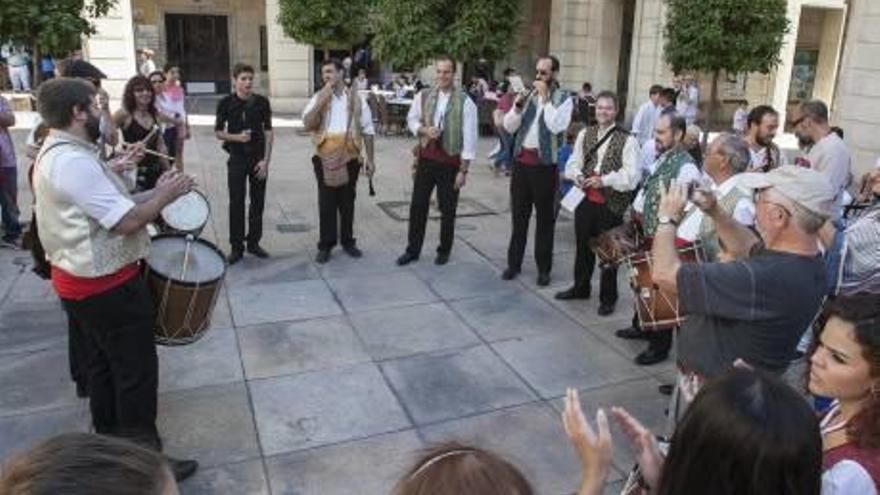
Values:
[(614, 44)]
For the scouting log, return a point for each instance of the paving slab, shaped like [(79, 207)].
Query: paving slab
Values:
[(27, 326), (22, 431), (266, 303), (244, 478), (367, 467), (397, 332), (380, 291), (312, 409), (35, 381), (444, 386), (285, 348), (464, 279), (212, 360)]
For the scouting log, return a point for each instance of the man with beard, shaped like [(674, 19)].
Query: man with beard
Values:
[(761, 125), (94, 236), (828, 154), (341, 125), (445, 121), (537, 121), (604, 163), (672, 164)]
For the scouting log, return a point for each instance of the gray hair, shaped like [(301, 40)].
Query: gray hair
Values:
[(809, 221), (816, 110), (736, 151)]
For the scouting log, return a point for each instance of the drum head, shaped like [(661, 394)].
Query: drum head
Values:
[(169, 258), (188, 213)]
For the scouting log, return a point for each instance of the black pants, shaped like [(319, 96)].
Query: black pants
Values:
[(660, 340), (590, 220), (428, 175), (241, 174), (78, 354), (333, 201), (123, 369), (532, 186)]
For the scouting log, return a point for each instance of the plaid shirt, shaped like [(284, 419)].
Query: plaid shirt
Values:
[(7, 150)]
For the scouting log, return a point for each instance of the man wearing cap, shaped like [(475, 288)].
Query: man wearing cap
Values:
[(755, 308)]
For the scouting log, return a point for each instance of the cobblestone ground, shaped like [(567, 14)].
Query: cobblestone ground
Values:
[(326, 379)]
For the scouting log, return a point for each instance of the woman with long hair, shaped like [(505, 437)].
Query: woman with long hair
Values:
[(139, 123), (170, 103), (845, 366)]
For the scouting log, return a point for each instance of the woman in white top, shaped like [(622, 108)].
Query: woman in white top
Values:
[(171, 106)]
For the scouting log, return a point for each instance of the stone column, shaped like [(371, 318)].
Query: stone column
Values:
[(112, 49), (290, 66)]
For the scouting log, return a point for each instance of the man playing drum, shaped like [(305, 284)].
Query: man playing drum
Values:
[(94, 236), (341, 125), (673, 164), (604, 163), (755, 308)]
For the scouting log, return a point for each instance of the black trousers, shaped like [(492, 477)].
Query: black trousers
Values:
[(430, 174), (77, 355), (121, 362), (241, 175), (590, 220), (532, 186), (333, 201)]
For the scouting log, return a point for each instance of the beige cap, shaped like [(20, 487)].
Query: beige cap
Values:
[(804, 186)]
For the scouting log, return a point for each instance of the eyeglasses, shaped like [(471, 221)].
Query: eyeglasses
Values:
[(758, 198)]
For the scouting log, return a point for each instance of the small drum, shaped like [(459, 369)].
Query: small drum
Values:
[(616, 244), (658, 310), (187, 214), (184, 276)]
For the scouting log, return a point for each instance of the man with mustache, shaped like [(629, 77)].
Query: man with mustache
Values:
[(761, 125)]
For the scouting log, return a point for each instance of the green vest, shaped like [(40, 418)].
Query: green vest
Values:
[(666, 172), (451, 138), (707, 233), (612, 161)]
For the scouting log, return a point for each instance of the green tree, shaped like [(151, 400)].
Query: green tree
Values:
[(49, 26), (412, 32), (733, 36), (325, 24)]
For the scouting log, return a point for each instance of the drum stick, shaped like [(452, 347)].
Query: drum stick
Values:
[(189, 241), (149, 151)]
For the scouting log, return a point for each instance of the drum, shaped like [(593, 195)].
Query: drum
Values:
[(658, 310), (187, 214), (184, 275), (616, 244)]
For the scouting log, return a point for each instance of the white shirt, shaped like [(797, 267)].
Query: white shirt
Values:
[(688, 100), (81, 180), (148, 67), (686, 174), (645, 121), (362, 84), (625, 179), (847, 478), (555, 118), (743, 212), (759, 157), (468, 121), (740, 117), (831, 157), (338, 120)]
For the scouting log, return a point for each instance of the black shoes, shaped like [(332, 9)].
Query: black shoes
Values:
[(543, 279), (353, 251), (632, 334), (441, 259), (652, 355), (606, 309), (323, 256), (406, 258), (257, 251), (182, 469), (234, 256), (572, 293), (509, 274)]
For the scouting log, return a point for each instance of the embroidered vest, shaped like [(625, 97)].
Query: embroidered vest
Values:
[(548, 143), (612, 161), (74, 241), (353, 134), (452, 138), (707, 233), (665, 173)]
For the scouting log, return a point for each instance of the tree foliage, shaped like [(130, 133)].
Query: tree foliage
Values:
[(412, 32), (724, 35), (50, 26), (325, 23)]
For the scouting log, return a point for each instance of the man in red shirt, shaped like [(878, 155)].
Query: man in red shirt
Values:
[(93, 233)]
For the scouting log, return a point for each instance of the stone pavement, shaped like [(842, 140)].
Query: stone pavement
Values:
[(327, 379)]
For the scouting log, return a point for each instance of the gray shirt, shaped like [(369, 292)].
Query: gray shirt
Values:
[(755, 309)]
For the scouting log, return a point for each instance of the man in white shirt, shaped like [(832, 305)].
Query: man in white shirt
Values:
[(689, 100), (646, 118), (740, 118), (828, 155), (762, 124), (604, 163), (537, 121), (341, 125), (148, 66), (444, 119)]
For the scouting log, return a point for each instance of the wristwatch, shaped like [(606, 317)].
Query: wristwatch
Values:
[(663, 220)]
